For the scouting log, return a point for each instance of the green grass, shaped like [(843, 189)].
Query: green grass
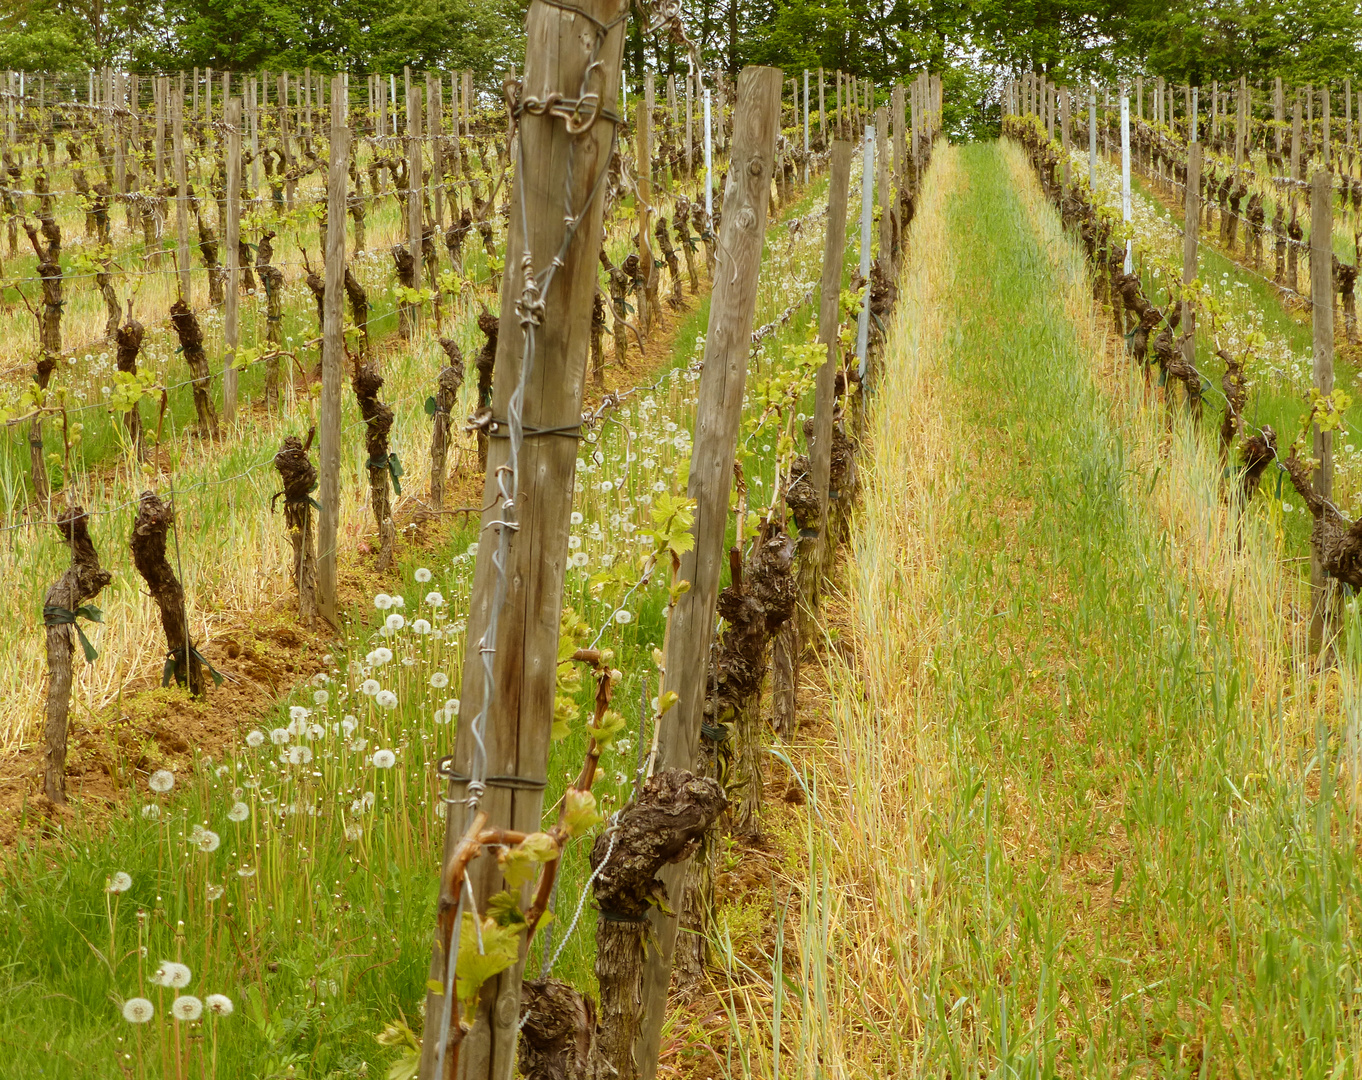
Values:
[(330, 938), (1139, 862)]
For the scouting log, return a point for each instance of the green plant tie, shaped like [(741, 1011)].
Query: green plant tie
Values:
[(170, 672), (53, 615), (394, 467)]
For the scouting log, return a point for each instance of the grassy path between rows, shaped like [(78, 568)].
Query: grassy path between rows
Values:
[(1079, 814)]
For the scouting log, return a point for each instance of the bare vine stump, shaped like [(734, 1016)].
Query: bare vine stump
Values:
[(49, 334), (378, 420), (446, 395), (359, 309), (662, 825), (83, 580), (208, 249), (1294, 232), (664, 241), (129, 340), (558, 1040), (299, 477), (148, 544), (191, 344), (598, 341), (405, 267), (489, 324), (104, 283), (618, 283), (681, 225)]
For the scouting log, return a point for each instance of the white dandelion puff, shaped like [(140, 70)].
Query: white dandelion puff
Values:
[(395, 622), (245, 872), (315, 731), (214, 892), (370, 687), (383, 601), (442, 716), (358, 746), (385, 699), (422, 575), (297, 713), (434, 599), (623, 616), (576, 517), (348, 726), (383, 654), (320, 697), (151, 812), (239, 812), (384, 759), (420, 626), (138, 1010), (186, 1007), (162, 780), (279, 736), (472, 549), (219, 1004), (353, 831), (119, 883), (255, 738), (299, 755), (452, 706), (172, 974), (439, 680), (209, 841)]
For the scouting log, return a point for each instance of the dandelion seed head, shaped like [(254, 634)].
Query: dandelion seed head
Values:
[(422, 575), (186, 1007), (121, 882), (255, 738), (297, 713), (214, 892), (279, 736), (420, 626), (172, 974), (385, 699), (219, 1004), (439, 680), (384, 759), (370, 687), (138, 1010), (383, 601), (320, 697), (209, 841), (239, 812), (151, 812), (162, 780), (434, 599), (623, 616)]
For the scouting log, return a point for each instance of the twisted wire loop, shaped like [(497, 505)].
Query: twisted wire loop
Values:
[(530, 309)]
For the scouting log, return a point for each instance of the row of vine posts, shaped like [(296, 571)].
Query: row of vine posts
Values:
[(1033, 107), (565, 115), (496, 773)]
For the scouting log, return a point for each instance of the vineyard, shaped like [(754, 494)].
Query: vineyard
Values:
[(542, 573)]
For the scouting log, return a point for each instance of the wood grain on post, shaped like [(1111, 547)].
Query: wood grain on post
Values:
[(519, 701), (232, 240), (1322, 322), (333, 357), (436, 156), (181, 199), (1190, 222), (718, 412), (825, 382), (414, 181), (643, 167), (886, 259)]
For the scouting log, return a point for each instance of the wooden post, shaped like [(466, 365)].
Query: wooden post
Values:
[(1278, 110), (159, 88), (518, 640), (1325, 95), (254, 106), (181, 199), (825, 383), (1191, 219), (232, 241), (414, 227), (822, 111), (896, 114), (1322, 321), (886, 259), (333, 356), (436, 157), (1064, 132), (719, 410), (643, 166)]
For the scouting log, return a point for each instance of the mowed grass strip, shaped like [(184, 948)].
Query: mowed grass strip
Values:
[(1102, 851)]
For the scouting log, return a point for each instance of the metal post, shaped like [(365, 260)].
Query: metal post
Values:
[(709, 163), (1125, 174), (1092, 139)]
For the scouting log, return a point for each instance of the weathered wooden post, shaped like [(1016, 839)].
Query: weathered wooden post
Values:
[(333, 357), (1190, 227), (1322, 323), (510, 674), (232, 238), (719, 410)]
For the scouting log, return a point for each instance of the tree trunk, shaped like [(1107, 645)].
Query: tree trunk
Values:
[(83, 580), (446, 395)]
